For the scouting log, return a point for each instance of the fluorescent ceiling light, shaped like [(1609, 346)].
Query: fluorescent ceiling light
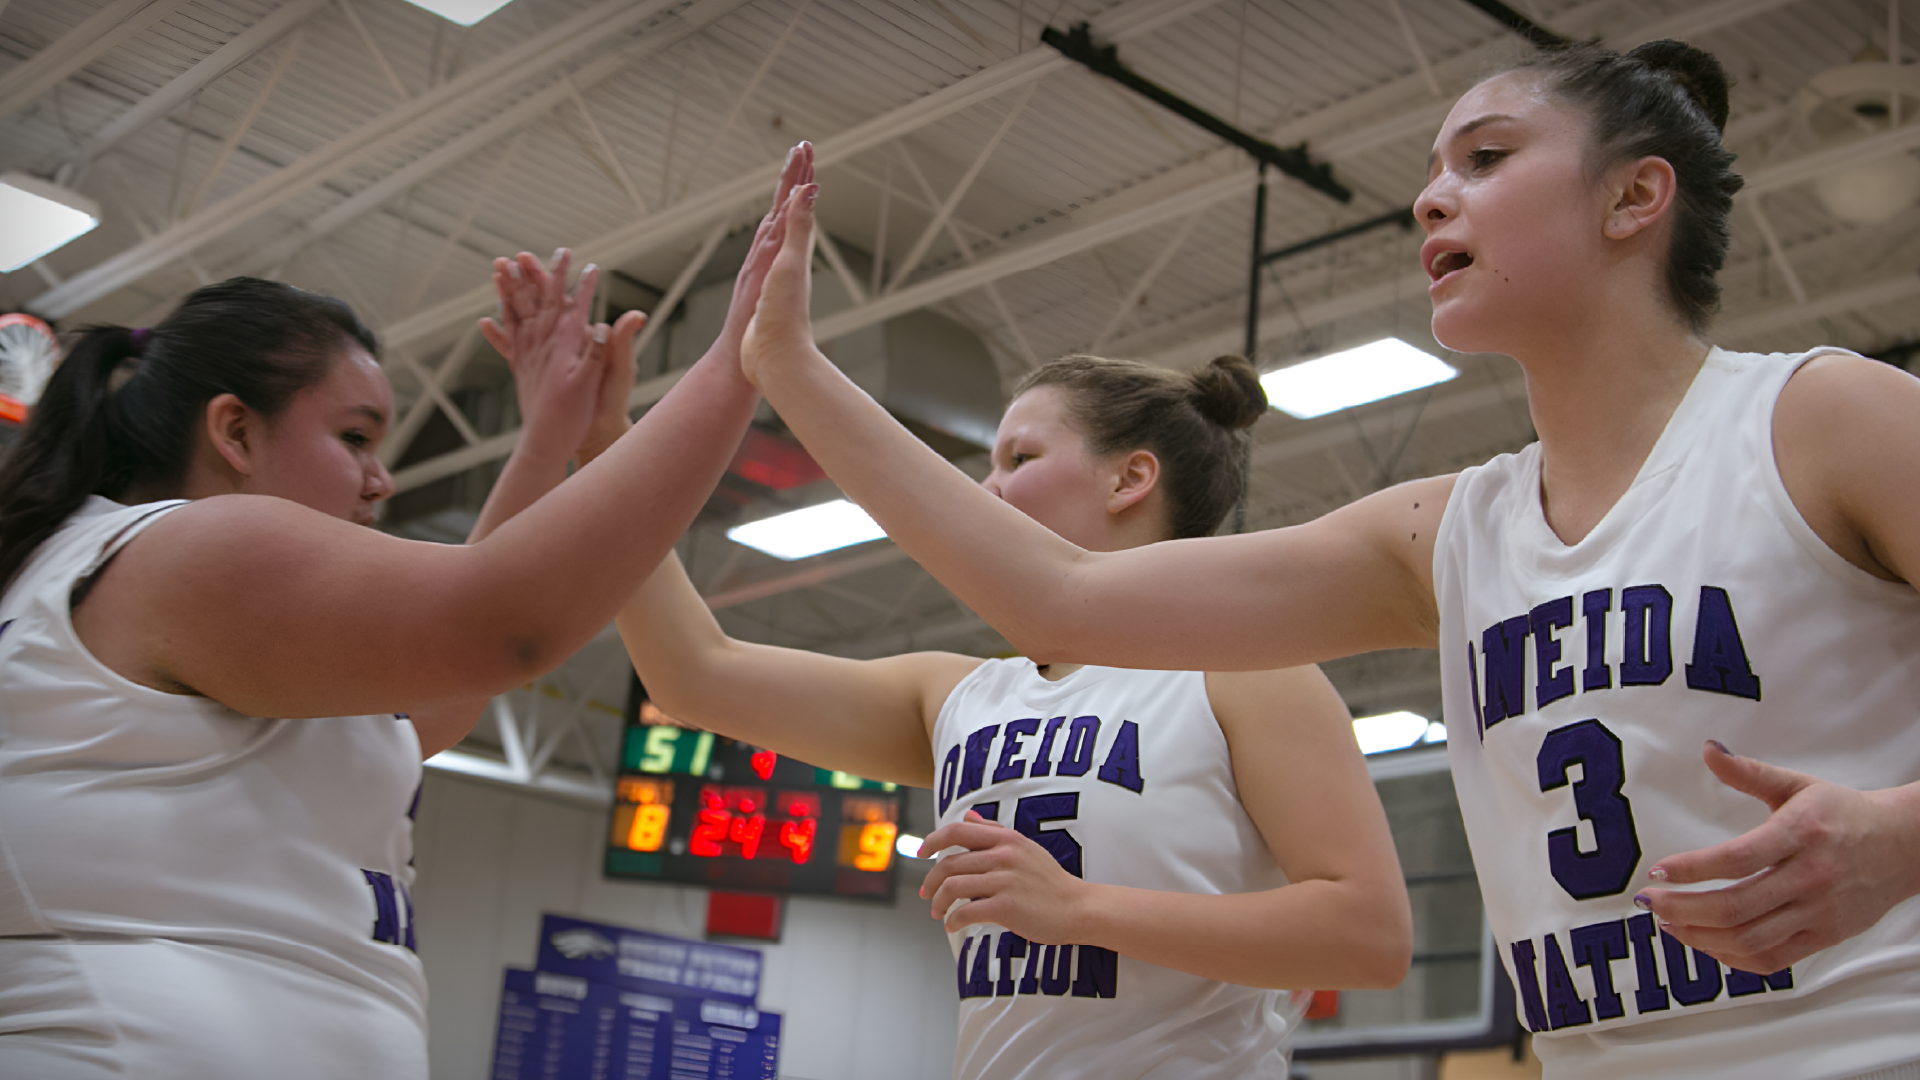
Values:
[(801, 533), (464, 12), (1354, 377), (37, 217), (1396, 731)]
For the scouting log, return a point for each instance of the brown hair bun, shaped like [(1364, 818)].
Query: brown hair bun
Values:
[(1228, 392), (1697, 71)]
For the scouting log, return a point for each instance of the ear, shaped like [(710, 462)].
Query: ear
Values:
[(1137, 474), (230, 424), (1642, 193)]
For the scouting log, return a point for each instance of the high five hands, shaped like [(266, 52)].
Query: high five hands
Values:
[(1827, 864), (1006, 878), (573, 378)]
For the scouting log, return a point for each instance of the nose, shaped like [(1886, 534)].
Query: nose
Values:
[(992, 484), (1435, 204), (379, 483)]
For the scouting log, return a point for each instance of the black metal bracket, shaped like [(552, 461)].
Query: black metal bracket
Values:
[(1520, 24), (1402, 217), (1077, 45)]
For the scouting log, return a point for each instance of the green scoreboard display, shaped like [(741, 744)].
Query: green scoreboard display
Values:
[(695, 807)]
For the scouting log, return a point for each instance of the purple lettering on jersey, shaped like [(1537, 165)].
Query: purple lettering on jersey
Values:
[(949, 772), (974, 772), (981, 984), (1549, 685), (1010, 948), (1473, 684), (1649, 646), (1596, 947), (1077, 758), (1528, 981), (1122, 767), (1056, 969), (1099, 975), (1565, 1007), (1012, 767), (1719, 658), (1594, 606), (1651, 995), (1042, 758), (1696, 988), (1503, 650), (960, 965)]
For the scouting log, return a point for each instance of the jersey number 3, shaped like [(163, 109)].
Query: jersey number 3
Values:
[(1607, 870)]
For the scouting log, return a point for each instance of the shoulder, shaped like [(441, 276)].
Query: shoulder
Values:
[(1848, 451), (1264, 697)]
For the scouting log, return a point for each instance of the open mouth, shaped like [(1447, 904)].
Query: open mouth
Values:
[(1446, 262)]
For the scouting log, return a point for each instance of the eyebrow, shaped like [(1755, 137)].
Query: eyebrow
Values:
[(369, 412), (1469, 128)]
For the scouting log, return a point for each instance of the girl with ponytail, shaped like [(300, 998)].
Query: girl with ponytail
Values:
[(217, 684), (1233, 844), (1694, 526)]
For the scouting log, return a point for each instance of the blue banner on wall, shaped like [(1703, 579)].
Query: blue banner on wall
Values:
[(563, 1027), (648, 963)]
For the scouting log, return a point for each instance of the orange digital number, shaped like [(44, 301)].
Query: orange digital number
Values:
[(649, 827), (876, 846)]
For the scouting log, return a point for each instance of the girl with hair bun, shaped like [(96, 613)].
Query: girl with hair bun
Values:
[(217, 685), (1694, 526), (1151, 856)]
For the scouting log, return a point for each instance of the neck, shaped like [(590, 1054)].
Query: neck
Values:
[(1600, 395)]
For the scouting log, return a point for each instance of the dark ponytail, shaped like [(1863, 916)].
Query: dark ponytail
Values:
[(1665, 99), (1194, 423), (123, 406)]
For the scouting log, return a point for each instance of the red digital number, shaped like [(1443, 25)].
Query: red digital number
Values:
[(746, 832), (712, 829), (797, 837)]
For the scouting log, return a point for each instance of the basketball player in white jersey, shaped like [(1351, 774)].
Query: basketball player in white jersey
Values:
[(207, 666), (1165, 853), (1693, 528)]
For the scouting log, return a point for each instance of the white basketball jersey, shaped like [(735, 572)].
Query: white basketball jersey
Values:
[(1125, 778), (187, 892), (1580, 683)]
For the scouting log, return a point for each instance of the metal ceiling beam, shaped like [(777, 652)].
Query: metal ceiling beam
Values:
[(189, 82), (704, 208), (105, 29), (596, 27)]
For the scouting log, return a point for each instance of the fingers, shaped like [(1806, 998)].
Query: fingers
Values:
[(554, 287), (1770, 784), (1778, 940), (1743, 856), (497, 337), (973, 834), (797, 171), (582, 294)]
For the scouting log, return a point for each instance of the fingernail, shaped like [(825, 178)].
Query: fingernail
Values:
[(600, 334), (1658, 873), (513, 269), (813, 192), (1720, 746), (591, 268), (1664, 922), (1640, 901)]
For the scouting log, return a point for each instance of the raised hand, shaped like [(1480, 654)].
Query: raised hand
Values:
[(613, 353), (782, 320), (1007, 879), (1827, 864), (798, 173), (543, 333)]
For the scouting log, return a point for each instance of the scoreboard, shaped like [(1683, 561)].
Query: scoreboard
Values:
[(695, 807)]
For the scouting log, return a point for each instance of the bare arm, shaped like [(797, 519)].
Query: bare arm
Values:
[(538, 317), (1342, 922), (1356, 580), (870, 717), (276, 610), (1829, 862)]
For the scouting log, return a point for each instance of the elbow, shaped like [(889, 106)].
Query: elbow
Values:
[(1389, 948)]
